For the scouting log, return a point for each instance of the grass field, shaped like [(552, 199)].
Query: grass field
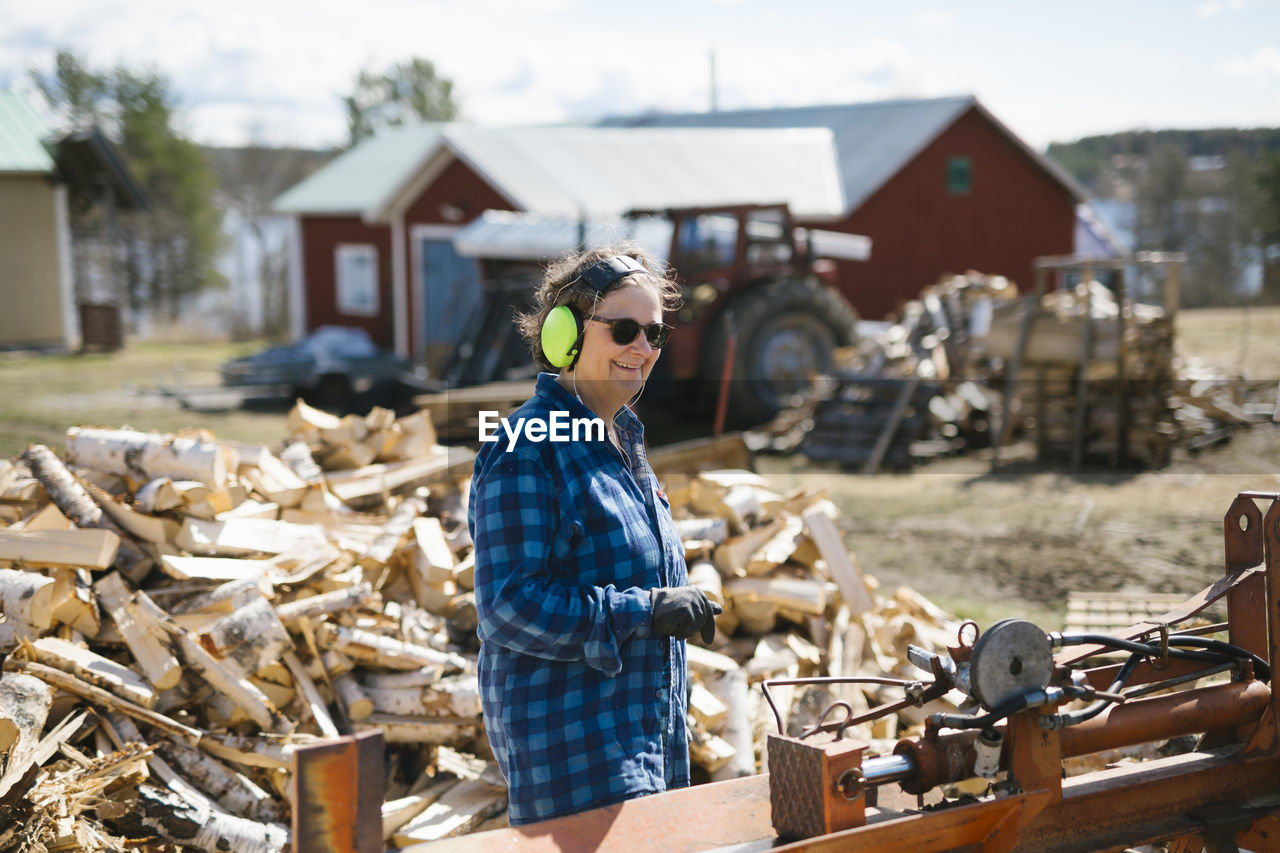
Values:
[(42, 395)]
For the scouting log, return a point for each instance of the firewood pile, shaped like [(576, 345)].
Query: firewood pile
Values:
[(796, 604), (919, 388), (182, 613), (932, 383), (1135, 416)]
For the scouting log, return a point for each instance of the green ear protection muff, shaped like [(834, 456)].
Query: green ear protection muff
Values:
[(561, 336), (562, 329)]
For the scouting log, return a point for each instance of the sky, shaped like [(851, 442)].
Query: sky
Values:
[(274, 71)]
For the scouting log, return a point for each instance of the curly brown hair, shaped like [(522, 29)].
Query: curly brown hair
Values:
[(562, 284)]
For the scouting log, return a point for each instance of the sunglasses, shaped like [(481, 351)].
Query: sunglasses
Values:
[(625, 330)]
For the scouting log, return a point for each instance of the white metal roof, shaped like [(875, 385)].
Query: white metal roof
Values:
[(577, 170), (609, 171)]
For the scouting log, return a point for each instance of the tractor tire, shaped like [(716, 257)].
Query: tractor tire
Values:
[(786, 332)]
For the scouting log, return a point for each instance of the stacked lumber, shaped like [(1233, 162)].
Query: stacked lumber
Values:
[(915, 389), (796, 604), (1124, 381), (180, 614)]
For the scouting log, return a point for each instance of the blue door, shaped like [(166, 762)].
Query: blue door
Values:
[(451, 284)]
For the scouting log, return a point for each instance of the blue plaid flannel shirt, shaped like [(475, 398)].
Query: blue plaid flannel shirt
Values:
[(583, 705)]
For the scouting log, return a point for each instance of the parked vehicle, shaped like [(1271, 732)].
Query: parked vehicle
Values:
[(753, 284), (332, 367)]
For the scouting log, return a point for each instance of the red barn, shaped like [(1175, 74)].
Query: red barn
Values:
[(939, 185), (373, 242)]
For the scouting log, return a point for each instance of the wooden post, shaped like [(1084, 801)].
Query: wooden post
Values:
[(1082, 374), (1030, 312)]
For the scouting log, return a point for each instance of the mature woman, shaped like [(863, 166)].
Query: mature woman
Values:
[(581, 585)]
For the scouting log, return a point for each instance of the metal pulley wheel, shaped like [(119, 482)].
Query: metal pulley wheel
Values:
[(1010, 658)]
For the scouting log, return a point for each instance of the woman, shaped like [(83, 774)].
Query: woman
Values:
[(581, 587)]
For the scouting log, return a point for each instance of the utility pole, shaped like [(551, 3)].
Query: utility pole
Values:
[(714, 105)]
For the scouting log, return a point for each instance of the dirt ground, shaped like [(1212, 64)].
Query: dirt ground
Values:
[(1012, 542)]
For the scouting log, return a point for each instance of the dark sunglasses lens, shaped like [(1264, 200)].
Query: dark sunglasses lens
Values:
[(657, 335), (624, 331)]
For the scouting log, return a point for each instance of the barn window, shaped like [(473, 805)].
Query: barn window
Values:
[(357, 279), (959, 176)]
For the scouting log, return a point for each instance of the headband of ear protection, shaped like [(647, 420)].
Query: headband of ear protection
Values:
[(562, 329)]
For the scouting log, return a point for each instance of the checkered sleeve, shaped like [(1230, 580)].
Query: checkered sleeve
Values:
[(520, 605)]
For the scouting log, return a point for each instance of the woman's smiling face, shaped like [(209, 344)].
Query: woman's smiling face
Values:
[(609, 374)]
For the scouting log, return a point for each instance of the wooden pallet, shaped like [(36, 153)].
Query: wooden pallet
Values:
[(1109, 612)]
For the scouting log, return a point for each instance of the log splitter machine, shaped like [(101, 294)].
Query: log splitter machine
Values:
[(1034, 699)]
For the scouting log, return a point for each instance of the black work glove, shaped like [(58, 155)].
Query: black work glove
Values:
[(683, 611)]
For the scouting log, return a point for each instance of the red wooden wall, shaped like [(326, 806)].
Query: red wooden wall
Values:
[(1015, 212)]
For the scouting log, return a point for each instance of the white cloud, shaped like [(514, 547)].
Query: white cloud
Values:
[(1264, 62), (1213, 8), (932, 19)]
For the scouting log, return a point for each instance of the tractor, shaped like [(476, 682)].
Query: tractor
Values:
[(761, 313)]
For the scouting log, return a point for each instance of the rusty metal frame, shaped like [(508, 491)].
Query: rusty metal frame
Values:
[(1225, 793)]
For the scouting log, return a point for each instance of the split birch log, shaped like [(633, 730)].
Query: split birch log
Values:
[(466, 766), (244, 536), (732, 557), (24, 707), (297, 456), (240, 691), (731, 689), (232, 791), (706, 577), (214, 568), (315, 704), (460, 809), (76, 548), (224, 598), (252, 636), (94, 669), (272, 753), (138, 523), (706, 708), (196, 823), (432, 557), (269, 476), (426, 730), (26, 598), (353, 697), (373, 648), (147, 641), (77, 505), (820, 521), (74, 601), (798, 594), (158, 495), (709, 751), (65, 681), (393, 533), (778, 549), (457, 696), (396, 813), (360, 595), (232, 831), (149, 455)]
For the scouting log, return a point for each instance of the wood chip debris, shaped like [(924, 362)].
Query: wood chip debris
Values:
[(168, 642)]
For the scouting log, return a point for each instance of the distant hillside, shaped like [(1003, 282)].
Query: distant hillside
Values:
[(1106, 164)]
